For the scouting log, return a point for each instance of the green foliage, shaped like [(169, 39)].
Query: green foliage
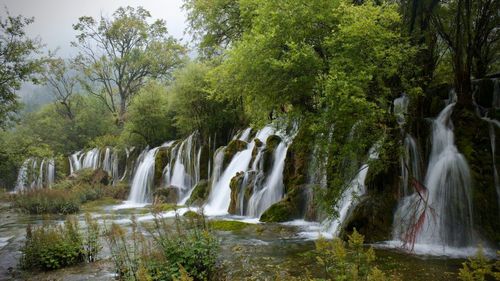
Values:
[(217, 24), (226, 225), (18, 64), (53, 246), (480, 268), (196, 109), (47, 201), (67, 196), (113, 74), (184, 250), (348, 261), (150, 117)]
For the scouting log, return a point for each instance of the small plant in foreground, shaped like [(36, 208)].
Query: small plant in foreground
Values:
[(182, 250), (348, 261), (53, 246), (480, 268)]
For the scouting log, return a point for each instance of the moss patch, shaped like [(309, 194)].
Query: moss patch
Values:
[(231, 149), (192, 215), (100, 204), (224, 225), (200, 193), (163, 207)]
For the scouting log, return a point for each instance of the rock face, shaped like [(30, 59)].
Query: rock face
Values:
[(292, 206), (166, 195), (161, 160), (200, 193), (232, 148)]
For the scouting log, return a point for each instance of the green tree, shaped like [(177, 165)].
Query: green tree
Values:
[(217, 24), (17, 63), (470, 30), (197, 110), (150, 119), (118, 55)]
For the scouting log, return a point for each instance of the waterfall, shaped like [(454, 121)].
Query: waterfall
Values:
[(39, 180), (443, 216), (91, 159), (401, 108), (184, 173), (410, 164), (33, 175), (142, 182), (220, 195), (22, 176), (349, 197), (75, 162), (272, 191), (51, 172)]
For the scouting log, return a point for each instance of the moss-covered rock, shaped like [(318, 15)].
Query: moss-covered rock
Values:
[(204, 159), (225, 225), (473, 141), (192, 215), (297, 159), (162, 158), (168, 194), (231, 149), (200, 193), (272, 143), (372, 217), (235, 186), (291, 207)]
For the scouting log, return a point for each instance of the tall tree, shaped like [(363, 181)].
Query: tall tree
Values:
[(470, 29), (17, 63), (63, 82), (217, 24), (118, 55)]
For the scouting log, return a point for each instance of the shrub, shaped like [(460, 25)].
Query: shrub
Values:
[(53, 246), (480, 268), (47, 201), (348, 261), (186, 251)]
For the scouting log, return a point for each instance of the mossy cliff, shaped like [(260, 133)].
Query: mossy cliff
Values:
[(297, 191), (473, 141), (200, 193)]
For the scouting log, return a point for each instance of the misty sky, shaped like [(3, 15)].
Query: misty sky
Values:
[(54, 18)]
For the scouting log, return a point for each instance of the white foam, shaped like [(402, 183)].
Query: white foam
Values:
[(4, 241), (129, 205), (436, 250)]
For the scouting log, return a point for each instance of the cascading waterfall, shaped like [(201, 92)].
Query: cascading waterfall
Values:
[(401, 108), (142, 182), (446, 204), (22, 176), (349, 198), (272, 191), (410, 164), (91, 159), (51, 172), (183, 172), (75, 162), (219, 199), (35, 174)]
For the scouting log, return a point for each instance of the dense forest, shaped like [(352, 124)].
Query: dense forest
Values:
[(375, 119)]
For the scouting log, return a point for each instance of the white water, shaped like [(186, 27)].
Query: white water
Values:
[(448, 212), (91, 159), (220, 195), (142, 182), (185, 173), (401, 108), (272, 191), (35, 174), (349, 198), (410, 164)]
